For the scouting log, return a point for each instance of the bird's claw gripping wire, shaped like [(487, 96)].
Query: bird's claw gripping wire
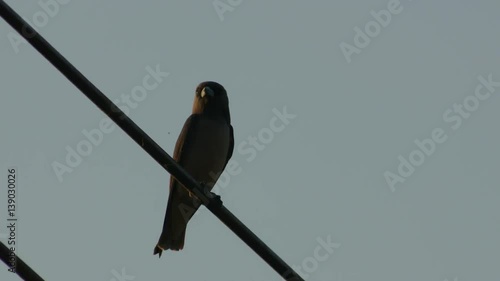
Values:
[(216, 200)]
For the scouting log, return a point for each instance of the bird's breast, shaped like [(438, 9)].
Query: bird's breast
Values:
[(208, 152)]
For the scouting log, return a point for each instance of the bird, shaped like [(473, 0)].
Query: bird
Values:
[(203, 149)]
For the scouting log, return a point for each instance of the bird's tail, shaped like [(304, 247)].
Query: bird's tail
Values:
[(180, 209)]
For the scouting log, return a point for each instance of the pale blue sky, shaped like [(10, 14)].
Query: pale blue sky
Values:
[(321, 176)]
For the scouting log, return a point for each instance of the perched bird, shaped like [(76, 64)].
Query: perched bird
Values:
[(203, 149)]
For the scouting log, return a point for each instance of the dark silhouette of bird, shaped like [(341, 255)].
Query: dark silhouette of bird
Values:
[(203, 149)]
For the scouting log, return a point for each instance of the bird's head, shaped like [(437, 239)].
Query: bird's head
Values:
[(211, 99)]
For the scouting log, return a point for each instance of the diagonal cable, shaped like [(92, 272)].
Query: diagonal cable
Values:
[(148, 144), (20, 267)]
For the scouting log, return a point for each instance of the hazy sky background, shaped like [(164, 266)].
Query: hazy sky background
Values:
[(322, 176)]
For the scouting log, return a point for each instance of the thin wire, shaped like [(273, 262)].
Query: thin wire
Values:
[(148, 144)]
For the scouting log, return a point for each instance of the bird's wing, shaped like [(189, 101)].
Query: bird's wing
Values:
[(185, 140), (231, 145)]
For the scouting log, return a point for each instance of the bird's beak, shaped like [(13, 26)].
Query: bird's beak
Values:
[(207, 92)]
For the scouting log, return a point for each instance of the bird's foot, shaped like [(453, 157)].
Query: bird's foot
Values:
[(216, 200)]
